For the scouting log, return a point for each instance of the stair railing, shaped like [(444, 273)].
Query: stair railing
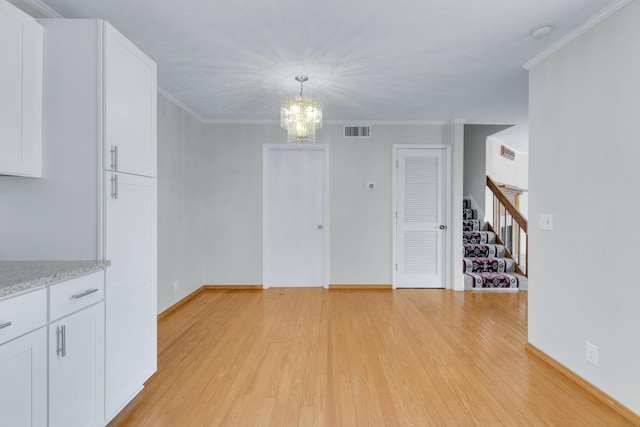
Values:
[(510, 227)]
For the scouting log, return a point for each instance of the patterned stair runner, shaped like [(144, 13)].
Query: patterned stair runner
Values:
[(484, 264)]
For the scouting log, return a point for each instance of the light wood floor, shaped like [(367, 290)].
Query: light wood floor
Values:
[(313, 357)]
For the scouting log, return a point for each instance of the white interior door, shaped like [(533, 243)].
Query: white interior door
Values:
[(295, 215), (421, 226)]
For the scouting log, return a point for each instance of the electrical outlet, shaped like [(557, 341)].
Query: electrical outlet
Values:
[(176, 286), (592, 354)]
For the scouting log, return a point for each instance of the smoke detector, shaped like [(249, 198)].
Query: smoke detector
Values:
[(541, 31)]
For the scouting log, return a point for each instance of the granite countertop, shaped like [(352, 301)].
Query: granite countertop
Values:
[(20, 276)]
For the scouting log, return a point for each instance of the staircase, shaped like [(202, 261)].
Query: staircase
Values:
[(485, 264)]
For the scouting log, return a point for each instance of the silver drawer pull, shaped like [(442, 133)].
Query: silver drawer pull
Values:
[(5, 325), (114, 187), (84, 294), (114, 157), (61, 338)]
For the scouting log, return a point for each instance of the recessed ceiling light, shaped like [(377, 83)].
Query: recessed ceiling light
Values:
[(541, 31)]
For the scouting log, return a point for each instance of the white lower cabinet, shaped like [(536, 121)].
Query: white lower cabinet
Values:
[(130, 298), (23, 360), (59, 380), (76, 352), (76, 369), (23, 380)]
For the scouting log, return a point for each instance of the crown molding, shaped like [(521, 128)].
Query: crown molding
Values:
[(180, 104), (595, 20), (42, 8), (242, 122)]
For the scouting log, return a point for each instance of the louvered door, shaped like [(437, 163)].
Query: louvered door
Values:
[(420, 226)]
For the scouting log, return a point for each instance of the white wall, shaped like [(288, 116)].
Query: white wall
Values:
[(454, 135), (505, 171), (475, 164), (360, 219), (180, 203), (56, 217), (584, 151), (232, 191)]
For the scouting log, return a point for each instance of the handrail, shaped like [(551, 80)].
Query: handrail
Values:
[(509, 224), (513, 211)]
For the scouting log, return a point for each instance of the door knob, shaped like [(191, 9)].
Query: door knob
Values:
[(320, 226), (443, 227)]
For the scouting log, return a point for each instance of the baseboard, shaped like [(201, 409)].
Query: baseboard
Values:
[(596, 392), (205, 288), (232, 287), (180, 303), (365, 287)]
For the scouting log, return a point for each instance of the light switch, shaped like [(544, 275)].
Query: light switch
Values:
[(546, 221)]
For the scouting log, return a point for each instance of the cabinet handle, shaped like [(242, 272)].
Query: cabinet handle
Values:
[(5, 325), (84, 294), (114, 157), (114, 187), (61, 338)]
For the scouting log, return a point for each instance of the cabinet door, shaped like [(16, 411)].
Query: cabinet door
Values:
[(21, 93), (130, 96), (76, 375), (130, 294), (23, 380)]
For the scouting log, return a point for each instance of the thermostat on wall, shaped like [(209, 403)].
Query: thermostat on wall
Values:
[(371, 186)]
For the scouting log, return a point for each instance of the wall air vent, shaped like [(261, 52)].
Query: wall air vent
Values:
[(357, 131), (507, 153)]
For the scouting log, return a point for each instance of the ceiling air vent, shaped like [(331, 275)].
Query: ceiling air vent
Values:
[(507, 153), (357, 131)]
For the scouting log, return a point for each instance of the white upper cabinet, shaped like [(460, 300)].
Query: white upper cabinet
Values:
[(130, 96), (20, 93)]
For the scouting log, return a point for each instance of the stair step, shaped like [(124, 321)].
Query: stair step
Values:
[(488, 265), (484, 264), (478, 237), (495, 281), (473, 225), (483, 251)]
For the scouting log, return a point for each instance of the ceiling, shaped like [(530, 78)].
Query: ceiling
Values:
[(367, 60)]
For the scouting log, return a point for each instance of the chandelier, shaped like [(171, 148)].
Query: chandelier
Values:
[(301, 116)]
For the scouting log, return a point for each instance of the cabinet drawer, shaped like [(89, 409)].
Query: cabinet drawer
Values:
[(22, 314), (75, 294)]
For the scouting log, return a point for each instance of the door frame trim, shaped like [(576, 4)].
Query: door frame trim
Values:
[(394, 208), (266, 148)]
